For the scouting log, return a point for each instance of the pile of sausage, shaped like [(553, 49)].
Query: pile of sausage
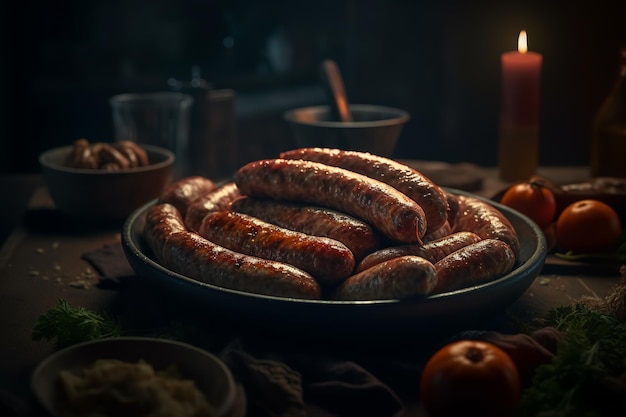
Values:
[(122, 154), (321, 223)]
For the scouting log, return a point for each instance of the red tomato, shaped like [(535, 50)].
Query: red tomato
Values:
[(532, 199), (470, 377), (588, 226)]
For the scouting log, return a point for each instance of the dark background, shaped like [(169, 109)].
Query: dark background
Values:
[(61, 61)]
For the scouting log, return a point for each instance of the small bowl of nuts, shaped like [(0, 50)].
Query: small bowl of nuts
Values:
[(105, 180)]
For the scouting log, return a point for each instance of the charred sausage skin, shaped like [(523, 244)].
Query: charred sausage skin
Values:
[(183, 192), (193, 256), (356, 234), (382, 206), (397, 278), (328, 260), (216, 200), (400, 176), (432, 251), (474, 264)]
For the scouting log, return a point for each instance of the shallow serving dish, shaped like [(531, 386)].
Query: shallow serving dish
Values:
[(92, 193), (210, 374), (436, 312)]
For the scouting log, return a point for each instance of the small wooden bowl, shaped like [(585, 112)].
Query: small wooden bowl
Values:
[(92, 193)]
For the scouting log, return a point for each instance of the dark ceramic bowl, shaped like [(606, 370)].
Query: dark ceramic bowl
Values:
[(375, 129), (210, 375), (100, 193)]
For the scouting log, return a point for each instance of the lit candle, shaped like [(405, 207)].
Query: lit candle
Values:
[(519, 118)]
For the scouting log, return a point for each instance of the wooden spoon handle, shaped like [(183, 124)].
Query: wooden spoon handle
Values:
[(333, 82)]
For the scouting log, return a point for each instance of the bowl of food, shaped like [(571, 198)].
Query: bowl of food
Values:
[(187, 264), (102, 180), (373, 128), (133, 376)]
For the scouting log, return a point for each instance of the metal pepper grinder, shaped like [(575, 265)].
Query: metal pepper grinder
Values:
[(212, 136)]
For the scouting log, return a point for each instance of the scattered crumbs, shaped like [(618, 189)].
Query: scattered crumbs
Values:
[(55, 245), (40, 250), (80, 283), (531, 294), (544, 281), (33, 273), (59, 280), (56, 267)]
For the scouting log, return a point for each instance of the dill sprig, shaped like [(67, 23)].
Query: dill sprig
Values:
[(69, 325), (72, 324), (590, 356)]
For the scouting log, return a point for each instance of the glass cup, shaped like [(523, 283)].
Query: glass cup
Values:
[(158, 118)]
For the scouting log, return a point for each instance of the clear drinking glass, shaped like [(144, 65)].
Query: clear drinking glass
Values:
[(157, 118)]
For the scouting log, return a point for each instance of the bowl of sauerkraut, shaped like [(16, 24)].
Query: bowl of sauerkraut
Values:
[(134, 376)]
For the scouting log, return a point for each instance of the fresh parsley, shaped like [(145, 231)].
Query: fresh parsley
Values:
[(590, 360)]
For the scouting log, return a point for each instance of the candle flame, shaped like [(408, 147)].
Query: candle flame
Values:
[(522, 42)]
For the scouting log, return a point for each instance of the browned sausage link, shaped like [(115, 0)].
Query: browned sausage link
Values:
[(194, 256), (326, 259), (406, 276), (107, 154), (216, 200), (400, 176), (431, 251), (474, 264), (189, 254), (485, 220), (443, 231), (162, 220), (382, 206), (357, 235), (136, 155), (82, 156), (184, 192)]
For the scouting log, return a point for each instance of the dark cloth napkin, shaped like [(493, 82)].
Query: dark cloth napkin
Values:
[(110, 263), (309, 384)]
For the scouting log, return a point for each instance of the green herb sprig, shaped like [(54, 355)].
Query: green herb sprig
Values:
[(591, 356), (69, 325)]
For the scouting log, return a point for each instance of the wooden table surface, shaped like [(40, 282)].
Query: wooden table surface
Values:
[(41, 261)]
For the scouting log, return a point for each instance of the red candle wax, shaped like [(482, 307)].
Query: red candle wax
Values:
[(521, 76)]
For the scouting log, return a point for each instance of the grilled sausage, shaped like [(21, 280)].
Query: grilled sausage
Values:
[(403, 277), (382, 206), (328, 260), (182, 193), (136, 155), (218, 199), (443, 231), (400, 176), (474, 215), (474, 264), (82, 156), (193, 256), (431, 251), (161, 221), (357, 235)]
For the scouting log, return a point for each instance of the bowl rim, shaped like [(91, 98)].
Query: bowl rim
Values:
[(49, 361), (44, 161), (402, 116)]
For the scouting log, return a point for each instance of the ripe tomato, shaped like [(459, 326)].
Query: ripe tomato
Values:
[(588, 226), (472, 377), (532, 199)]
